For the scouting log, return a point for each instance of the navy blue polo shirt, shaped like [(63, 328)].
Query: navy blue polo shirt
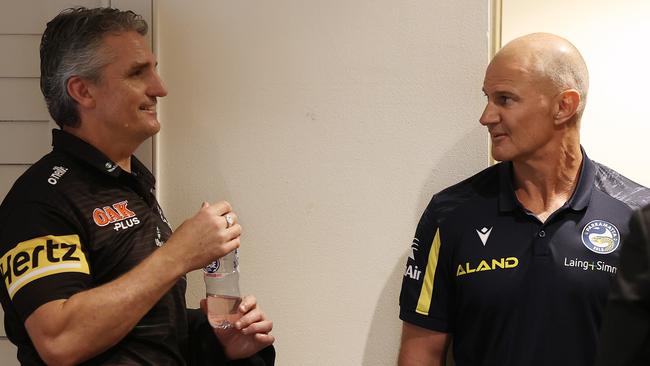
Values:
[(510, 289)]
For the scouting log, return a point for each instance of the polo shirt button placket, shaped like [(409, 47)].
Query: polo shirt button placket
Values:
[(541, 247)]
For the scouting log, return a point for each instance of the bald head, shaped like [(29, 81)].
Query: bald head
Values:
[(552, 58)]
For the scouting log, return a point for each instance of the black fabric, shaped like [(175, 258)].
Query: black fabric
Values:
[(510, 289), (203, 352), (625, 336), (73, 221)]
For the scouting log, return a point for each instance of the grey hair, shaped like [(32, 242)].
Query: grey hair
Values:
[(569, 72), (71, 46), (558, 60)]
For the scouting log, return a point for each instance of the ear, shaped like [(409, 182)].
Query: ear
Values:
[(566, 106), (78, 90)]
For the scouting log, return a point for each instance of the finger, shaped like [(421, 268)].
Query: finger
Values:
[(252, 317), (229, 216), (204, 204), (264, 326), (248, 302), (222, 207), (264, 339), (226, 248), (232, 232)]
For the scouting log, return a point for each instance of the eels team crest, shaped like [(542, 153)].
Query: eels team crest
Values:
[(601, 237)]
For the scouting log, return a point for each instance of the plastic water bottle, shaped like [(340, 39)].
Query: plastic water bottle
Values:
[(222, 290)]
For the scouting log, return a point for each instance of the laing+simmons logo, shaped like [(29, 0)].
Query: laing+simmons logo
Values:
[(41, 257), (600, 237), (117, 214)]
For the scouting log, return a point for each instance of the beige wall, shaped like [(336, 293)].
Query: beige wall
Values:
[(328, 125), (613, 39)]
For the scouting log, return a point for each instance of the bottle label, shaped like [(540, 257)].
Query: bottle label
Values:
[(212, 267)]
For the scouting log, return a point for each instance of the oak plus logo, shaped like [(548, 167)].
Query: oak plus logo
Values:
[(117, 214)]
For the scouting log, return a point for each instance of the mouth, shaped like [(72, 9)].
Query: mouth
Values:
[(498, 136), (149, 108)]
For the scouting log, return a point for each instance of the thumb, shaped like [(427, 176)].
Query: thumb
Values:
[(204, 204)]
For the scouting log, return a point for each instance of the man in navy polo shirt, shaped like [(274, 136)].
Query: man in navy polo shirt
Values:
[(515, 262)]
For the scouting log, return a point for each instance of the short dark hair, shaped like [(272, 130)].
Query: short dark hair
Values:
[(70, 46)]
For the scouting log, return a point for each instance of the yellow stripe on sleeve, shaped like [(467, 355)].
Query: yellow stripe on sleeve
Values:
[(424, 302)]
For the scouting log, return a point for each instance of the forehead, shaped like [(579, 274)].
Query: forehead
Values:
[(510, 71), (126, 47)]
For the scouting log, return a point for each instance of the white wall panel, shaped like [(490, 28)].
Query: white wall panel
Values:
[(21, 100), (19, 56), (24, 142), (328, 124), (7, 353), (30, 16)]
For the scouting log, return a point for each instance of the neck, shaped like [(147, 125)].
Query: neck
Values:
[(119, 152), (544, 183)]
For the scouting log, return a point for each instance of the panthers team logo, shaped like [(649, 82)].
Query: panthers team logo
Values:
[(601, 237)]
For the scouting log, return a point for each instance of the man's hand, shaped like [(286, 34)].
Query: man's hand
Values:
[(204, 237), (250, 334)]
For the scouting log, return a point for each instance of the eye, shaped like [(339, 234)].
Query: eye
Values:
[(504, 100), (137, 72)]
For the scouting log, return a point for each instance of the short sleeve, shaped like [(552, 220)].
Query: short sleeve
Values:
[(426, 288), (42, 256)]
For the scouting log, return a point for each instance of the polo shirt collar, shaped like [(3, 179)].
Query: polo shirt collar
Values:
[(578, 201), (81, 150)]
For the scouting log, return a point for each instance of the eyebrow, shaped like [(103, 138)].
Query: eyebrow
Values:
[(139, 66)]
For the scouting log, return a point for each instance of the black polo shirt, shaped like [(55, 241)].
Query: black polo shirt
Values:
[(73, 221), (510, 289)]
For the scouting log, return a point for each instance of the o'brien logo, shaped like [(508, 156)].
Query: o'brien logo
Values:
[(117, 214), (56, 175), (41, 257), (600, 237)]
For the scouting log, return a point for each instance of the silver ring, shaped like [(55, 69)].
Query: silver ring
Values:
[(229, 221)]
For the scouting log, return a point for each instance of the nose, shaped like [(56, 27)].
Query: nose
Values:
[(157, 86), (490, 115)]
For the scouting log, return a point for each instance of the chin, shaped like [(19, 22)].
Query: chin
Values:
[(500, 155), (154, 128)]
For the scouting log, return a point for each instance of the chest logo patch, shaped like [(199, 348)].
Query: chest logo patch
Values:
[(117, 214), (601, 237), (487, 265), (484, 234)]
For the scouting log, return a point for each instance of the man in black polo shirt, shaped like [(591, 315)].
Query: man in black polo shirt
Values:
[(514, 263), (91, 270)]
